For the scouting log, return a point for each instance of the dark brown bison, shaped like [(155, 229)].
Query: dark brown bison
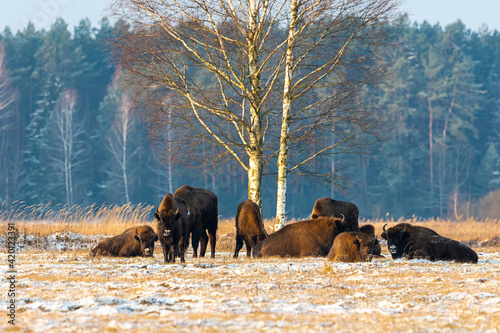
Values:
[(369, 230), (352, 247), (419, 242), (172, 227), (249, 228), (311, 238), (203, 208), (133, 242), (340, 209)]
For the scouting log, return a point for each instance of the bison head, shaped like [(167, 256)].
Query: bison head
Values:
[(365, 246), (167, 220), (147, 240), (396, 240)]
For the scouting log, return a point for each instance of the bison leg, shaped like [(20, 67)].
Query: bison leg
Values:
[(181, 249), (213, 241), (195, 239), (239, 245), (203, 243), (249, 244), (172, 254)]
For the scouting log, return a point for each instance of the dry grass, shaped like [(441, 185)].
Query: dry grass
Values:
[(41, 221)]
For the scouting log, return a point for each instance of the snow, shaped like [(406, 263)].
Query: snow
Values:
[(70, 291)]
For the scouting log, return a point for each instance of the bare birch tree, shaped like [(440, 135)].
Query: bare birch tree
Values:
[(119, 143), (67, 131), (334, 50), (242, 79), (209, 59)]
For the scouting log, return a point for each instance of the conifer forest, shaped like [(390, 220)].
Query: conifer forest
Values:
[(67, 136)]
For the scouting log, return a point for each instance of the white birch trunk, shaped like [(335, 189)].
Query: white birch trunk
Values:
[(285, 123), (125, 126), (256, 136), (64, 119)]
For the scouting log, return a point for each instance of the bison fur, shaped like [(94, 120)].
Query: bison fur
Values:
[(341, 209), (203, 218), (172, 227), (133, 242), (249, 227), (420, 242), (310, 238), (352, 247), (369, 230)]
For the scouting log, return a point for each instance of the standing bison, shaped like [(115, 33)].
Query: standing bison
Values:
[(133, 242), (352, 247), (311, 238), (203, 208), (249, 228), (172, 227), (420, 242), (340, 209)]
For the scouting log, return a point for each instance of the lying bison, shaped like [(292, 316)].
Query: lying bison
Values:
[(420, 242), (172, 227), (340, 209), (369, 230), (203, 208), (249, 228), (311, 238), (133, 242), (352, 247)]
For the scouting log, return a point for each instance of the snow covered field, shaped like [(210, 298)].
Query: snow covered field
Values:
[(66, 291)]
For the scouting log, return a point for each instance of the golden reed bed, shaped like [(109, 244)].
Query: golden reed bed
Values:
[(42, 221)]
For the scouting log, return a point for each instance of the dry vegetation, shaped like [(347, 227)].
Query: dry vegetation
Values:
[(41, 221), (67, 291)]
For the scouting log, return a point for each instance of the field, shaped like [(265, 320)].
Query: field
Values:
[(61, 289)]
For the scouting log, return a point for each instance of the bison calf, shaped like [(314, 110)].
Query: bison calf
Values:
[(132, 242), (172, 226), (249, 228), (345, 210), (311, 238), (352, 247), (420, 242)]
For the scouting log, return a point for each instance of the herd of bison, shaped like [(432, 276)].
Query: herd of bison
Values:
[(333, 231)]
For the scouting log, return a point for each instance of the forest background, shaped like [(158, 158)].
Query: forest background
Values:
[(64, 120)]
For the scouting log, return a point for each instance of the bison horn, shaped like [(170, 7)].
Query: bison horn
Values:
[(177, 211), (343, 218), (404, 228), (136, 232), (383, 228)]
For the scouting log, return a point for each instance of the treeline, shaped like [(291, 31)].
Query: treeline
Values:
[(68, 134)]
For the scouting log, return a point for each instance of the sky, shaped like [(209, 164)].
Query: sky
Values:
[(16, 14)]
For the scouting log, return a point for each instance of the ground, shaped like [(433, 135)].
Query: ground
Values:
[(64, 290)]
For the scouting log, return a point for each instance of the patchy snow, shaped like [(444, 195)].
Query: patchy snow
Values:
[(60, 242), (64, 291)]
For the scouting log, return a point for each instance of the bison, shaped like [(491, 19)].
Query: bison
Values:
[(352, 247), (312, 238), (369, 230), (339, 209), (172, 226), (133, 242), (249, 228), (420, 242), (203, 218)]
